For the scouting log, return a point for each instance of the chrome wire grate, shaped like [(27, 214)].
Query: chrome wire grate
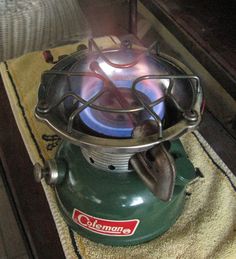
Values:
[(45, 108)]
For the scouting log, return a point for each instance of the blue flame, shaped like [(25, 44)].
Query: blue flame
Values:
[(149, 89)]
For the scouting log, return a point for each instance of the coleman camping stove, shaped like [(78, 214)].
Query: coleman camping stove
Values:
[(120, 173)]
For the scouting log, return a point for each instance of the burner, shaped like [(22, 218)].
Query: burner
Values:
[(119, 124)]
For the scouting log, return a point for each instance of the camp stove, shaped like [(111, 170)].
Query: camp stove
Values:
[(121, 171)]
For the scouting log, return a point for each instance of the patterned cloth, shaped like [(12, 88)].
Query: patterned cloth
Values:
[(206, 229), (29, 25)]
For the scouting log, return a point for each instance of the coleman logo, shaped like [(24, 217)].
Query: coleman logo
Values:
[(104, 226)]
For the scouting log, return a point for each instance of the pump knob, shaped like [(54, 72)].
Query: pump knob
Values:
[(53, 172), (39, 172)]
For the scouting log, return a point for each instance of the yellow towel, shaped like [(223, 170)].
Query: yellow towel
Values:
[(207, 227)]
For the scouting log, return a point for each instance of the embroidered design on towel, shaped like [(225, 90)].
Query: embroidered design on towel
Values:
[(53, 141)]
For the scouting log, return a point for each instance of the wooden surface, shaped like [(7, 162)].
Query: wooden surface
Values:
[(222, 142), (9, 229), (30, 204)]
